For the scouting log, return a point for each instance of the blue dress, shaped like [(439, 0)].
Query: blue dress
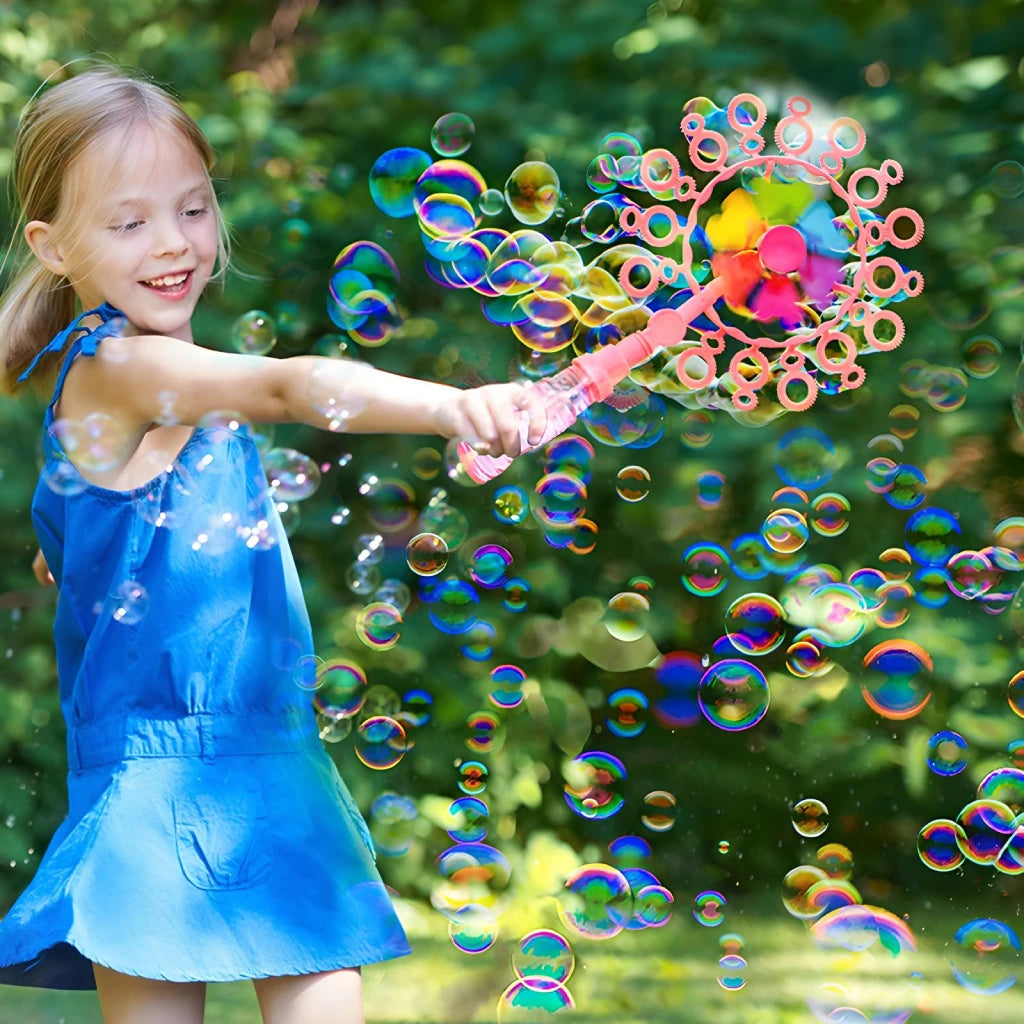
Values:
[(209, 836)]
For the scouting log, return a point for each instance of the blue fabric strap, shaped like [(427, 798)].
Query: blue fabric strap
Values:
[(105, 311)]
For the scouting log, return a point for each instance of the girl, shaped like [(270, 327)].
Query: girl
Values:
[(209, 836)]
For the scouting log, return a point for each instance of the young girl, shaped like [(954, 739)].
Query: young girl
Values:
[(209, 836)]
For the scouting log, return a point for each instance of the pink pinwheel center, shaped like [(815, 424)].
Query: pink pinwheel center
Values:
[(782, 249)]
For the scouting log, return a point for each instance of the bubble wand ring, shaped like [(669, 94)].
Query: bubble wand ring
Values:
[(763, 268)]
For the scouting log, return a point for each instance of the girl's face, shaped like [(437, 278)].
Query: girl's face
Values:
[(144, 236)]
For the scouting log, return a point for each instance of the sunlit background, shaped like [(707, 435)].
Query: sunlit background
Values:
[(712, 709)]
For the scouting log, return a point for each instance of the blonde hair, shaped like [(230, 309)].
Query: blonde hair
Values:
[(54, 130)]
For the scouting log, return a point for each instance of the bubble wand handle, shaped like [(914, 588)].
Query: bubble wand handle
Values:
[(592, 377)]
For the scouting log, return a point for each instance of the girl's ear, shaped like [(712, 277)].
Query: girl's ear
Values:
[(43, 242)]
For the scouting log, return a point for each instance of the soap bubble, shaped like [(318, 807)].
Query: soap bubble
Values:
[(596, 901), (945, 753), (393, 178), (427, 554), (810, 817), (254, 333), (532, 192), (452, 134), (985, 958)]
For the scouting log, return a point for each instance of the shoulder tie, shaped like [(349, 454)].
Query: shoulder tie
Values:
[(109, 315)]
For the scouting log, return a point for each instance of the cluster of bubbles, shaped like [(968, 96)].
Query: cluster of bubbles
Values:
[(792, 250), (988, 831)]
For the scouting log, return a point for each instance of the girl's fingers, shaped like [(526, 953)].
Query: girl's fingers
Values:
[(533, 405)]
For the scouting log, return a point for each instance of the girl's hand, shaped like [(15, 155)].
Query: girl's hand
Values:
[(488, 417), (41, 570)]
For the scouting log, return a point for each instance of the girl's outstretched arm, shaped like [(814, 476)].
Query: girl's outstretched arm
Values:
[(153, 379), (41, 570)]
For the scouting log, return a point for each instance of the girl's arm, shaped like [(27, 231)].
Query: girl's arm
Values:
[(41, 570), (152, 379)]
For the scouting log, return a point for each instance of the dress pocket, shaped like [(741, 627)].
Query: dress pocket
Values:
[(223, 839)]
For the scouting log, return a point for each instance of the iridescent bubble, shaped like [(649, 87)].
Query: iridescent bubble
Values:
[(532, 192), (697, 429), (907, 487), (529, 1000), (931, 586), (731, 968), (491, 202), (393, 179), (982, 355), (652, 906), (416, 708), (904, 419), (880, 473), (379, 625), (710, 486), (391, 503), (478, 642), (1009, 537), (785, 530), (731, 942), (452, 134), (473, 928), (560, 500), (341, 688), (449, 178), (627, 615), (805, 458), (830, 514), (507, 686), (486, 733), (1006, 179), (831, 894), (1015, 694), (453, 607), (985, 828), (705, 569), (292, 476), (427, 554), (809, 817), (945, 753), (971, 574), (755, 624), (894, 610), (515, 591), (795, 886), (860, 927), (836, 860), (985, 957), (596, 901), (472, 777), (626, 718), (750, 556), (840, 613), (1005, 785), (723, 846), (733, 695), (709, 908), (633, 483), (900, 685), (932, 536), (511, 504), (380, 742), (490, 565), (592, 784), (659, 813), (254, 333), (806, 655), (543, 954)]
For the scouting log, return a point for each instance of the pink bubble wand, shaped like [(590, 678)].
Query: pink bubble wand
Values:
[(775, 275)]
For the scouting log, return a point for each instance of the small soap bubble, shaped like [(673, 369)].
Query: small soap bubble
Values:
[(805, 458), (393, 180), (472, 777), (705, 569), (131, 602), (452, 134), (627, 615), (809, 817), (491, 202), (426, 554), (755, 624), (659, 813), (254, 333), (733, 695), (340, 688), (543, 954), (982, 355), (709, 908), (379, 625), (633, 483), (593, 780), (985, 956), (380, 742), (427, 463)]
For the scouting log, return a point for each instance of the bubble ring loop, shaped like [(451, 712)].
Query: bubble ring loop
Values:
[(807, 380), (835, 365)]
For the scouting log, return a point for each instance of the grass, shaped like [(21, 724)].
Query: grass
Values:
[(659, 975)]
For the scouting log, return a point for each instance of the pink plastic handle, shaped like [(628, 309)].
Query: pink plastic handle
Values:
[(597, 374)]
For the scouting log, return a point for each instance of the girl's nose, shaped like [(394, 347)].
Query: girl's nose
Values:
[(170, 241)]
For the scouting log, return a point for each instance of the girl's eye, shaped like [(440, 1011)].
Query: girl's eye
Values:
[(197, 212), (131, 225)]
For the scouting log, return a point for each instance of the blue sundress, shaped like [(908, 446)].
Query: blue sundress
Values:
[(209, 836)]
